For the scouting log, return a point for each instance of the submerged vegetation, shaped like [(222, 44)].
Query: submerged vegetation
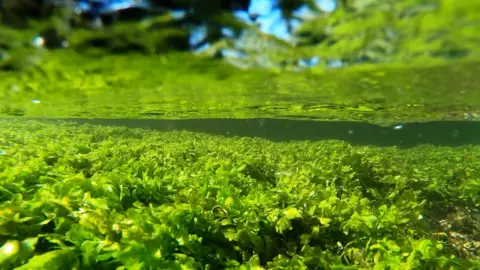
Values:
[(87, 197)]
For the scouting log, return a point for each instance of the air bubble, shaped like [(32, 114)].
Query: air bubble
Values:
[(398, 127)]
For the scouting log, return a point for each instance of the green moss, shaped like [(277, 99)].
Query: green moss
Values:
[(137, 199), (185, 86)]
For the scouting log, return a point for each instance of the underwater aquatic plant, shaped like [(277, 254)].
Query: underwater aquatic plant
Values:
[(80, 196)]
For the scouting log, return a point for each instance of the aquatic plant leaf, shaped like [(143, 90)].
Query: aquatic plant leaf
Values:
[(57, 259)]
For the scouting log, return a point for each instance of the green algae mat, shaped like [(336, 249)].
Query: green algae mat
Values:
[(90, 197), (177, 86)]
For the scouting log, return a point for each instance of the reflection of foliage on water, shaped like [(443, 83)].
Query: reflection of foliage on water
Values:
[(291, 34)]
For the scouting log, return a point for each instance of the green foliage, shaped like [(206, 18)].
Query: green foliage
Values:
[(84, 197), (396, 31), (68, 85), (358, 32)]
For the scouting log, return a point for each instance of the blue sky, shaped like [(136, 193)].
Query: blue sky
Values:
[(269, 18)]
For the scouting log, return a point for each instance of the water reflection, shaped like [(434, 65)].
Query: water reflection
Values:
[(441, 133)]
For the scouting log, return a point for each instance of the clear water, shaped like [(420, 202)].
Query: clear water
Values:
[(157, 164), (440, 133)]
